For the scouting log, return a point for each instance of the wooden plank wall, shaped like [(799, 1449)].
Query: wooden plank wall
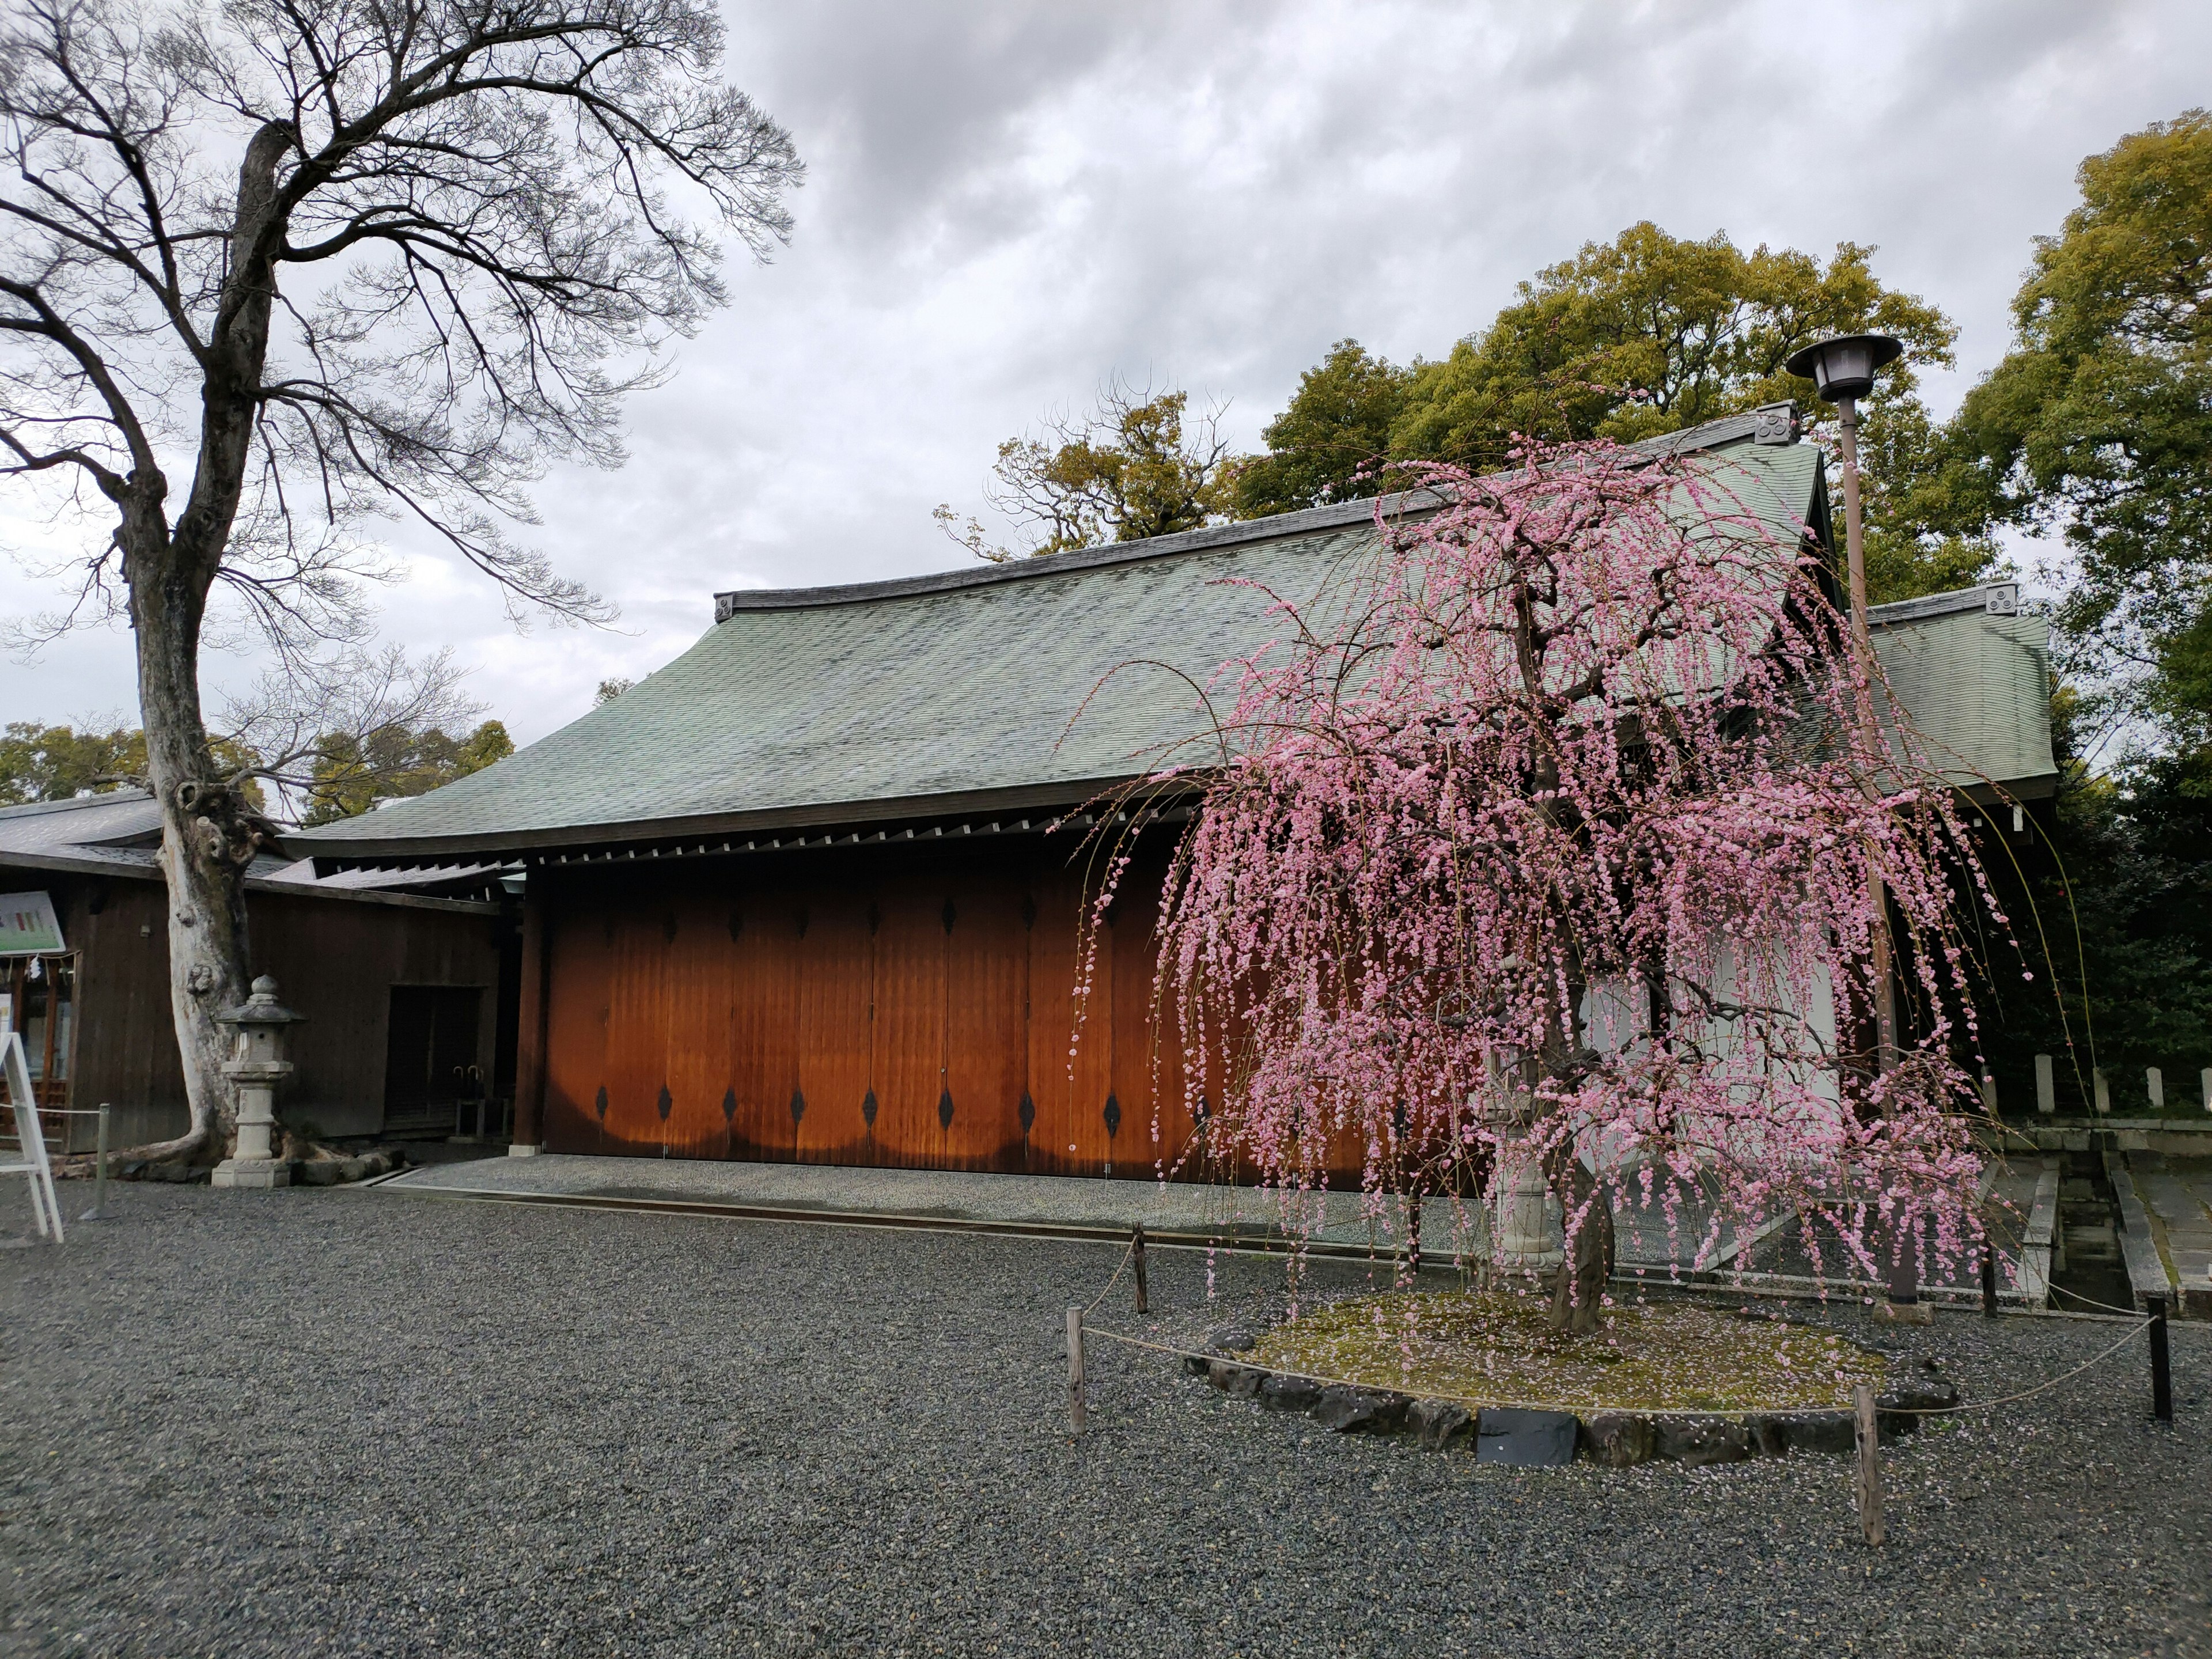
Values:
[(881, 1006), (335, 960)]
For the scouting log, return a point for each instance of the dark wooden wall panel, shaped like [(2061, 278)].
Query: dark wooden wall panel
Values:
[(1071, 1039), (765, 1060), (697, 1060), (909, 1060), (985, 1051), (922, 980), (577, 1008), (637, 1030), (834, 1048)]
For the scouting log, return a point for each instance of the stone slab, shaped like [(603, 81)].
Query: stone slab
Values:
[(263, 1172), (1526, 1439)]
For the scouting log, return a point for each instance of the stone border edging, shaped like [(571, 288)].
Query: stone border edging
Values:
[(1612, 1439)]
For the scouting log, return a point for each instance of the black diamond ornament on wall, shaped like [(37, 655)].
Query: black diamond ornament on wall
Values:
[(1028, 1111), (1113, 1117), (868, 1108), (601, 1102), (944, 1108), (729, 1105), (663, 1103), (798, 1107)]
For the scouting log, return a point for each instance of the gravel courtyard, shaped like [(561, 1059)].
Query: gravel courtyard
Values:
[(345, 1422)]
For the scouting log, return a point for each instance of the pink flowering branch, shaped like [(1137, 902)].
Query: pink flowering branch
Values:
[(1547, 834)]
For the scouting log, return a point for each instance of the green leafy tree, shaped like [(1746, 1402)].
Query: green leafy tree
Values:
[(1327, 445), (1138, 466), (1930, 505), (2099, 419), (1644, 335), (58, 763), (1650, 333), (352, 775)]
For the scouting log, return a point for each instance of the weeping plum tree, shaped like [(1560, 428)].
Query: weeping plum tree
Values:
[(1550, 836), (324, 260)]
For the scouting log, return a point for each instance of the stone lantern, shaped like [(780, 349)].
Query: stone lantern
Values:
[(256, 1065), (1525, 1230)]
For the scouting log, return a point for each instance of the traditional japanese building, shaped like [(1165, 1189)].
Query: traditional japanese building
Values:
[(800, 895), (400, 978)]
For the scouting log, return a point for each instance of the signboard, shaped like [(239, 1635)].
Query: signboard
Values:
[(29, 926)]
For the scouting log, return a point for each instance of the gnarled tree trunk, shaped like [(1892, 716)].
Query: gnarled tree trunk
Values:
[(209, 833), (1579, 1298)]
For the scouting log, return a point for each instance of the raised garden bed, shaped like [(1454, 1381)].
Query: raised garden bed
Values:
[(1669, 1380)]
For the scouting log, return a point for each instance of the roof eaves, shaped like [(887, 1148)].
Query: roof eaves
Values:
[(107, 797), (327, 849), (64, 865)]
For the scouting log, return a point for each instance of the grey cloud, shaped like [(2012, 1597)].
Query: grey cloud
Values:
[(1007, 203)]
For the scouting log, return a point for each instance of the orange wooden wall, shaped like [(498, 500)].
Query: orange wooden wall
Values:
[(879, 1006)]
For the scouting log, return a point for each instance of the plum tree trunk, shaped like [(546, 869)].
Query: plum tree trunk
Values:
[(1578, 1297)]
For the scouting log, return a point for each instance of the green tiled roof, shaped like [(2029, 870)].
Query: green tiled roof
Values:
[(1974, 680), (992, 689)]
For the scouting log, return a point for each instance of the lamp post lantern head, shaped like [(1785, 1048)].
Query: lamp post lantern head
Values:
[(1843, 367)]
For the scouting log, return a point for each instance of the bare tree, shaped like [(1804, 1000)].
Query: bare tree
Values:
[(337, 260), (298, 716)]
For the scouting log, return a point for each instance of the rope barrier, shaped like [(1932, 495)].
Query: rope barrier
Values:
[(2027, 1394), (2092, 1302), (1120, 1268)]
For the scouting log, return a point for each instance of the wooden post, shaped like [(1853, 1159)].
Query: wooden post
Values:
[(1989, 1279), (1870, 1481), (1137, 1266), (529, 1131), (1075, 1368), (2161, 1365)]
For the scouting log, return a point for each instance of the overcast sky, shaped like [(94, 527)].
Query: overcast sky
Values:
[(1006, 204)]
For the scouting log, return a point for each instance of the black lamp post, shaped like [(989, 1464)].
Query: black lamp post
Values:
[(1842, 370)]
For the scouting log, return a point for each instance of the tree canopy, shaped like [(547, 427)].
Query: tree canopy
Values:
[(2098, 423), (1650, 333), (1138, 465), (1327, 445), (352, 775), (60, 762), (1647, 334)]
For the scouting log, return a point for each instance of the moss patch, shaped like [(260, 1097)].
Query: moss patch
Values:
[(1495, 1346)]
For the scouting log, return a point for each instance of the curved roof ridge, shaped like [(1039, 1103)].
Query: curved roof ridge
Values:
[(1728, 430), (1303, 522)]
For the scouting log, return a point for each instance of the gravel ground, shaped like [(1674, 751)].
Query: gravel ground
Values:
[(332, 1421)]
